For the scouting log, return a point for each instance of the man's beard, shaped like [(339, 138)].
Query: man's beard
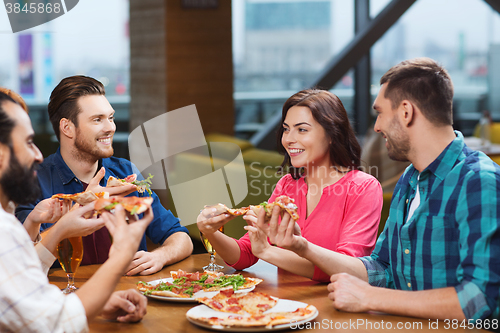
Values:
[(85, 150), (19, 183), (398, 143)]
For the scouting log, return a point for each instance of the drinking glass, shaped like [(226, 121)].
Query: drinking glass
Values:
[(212, 266), (70, 254)]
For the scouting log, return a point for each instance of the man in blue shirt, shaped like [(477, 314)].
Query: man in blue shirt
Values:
[(439, 254), (83, 121)]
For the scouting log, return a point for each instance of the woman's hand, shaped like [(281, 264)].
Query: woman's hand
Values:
[(285, 234), (250, 218), (258, 240), (211, 218)]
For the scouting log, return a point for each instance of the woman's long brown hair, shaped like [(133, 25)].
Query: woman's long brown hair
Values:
[(329, 112)]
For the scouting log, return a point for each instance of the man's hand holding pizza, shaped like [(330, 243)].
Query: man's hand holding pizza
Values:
[(46, 211), (118, 190), (72, 224)]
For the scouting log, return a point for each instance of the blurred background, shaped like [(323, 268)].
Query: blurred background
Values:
[(277, 48), (239, 60)]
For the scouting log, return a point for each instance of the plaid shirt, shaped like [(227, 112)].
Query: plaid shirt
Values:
[(28, 303), (453, 237)]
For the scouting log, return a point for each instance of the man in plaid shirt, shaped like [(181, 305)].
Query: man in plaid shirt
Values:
[(439, 254)]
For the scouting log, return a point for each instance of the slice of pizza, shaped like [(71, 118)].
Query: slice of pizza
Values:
[(214, 281), (234, 281), (235, 321), (224, 301), (133, 205), (168, 289), (141, 185), (257, 303), (221, 209), (284, 202), (229, 301), (278, 318), (267, 320), (82, 198), (196, 276)]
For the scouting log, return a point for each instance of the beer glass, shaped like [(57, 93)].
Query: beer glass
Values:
[(212, 266), (70, 255)]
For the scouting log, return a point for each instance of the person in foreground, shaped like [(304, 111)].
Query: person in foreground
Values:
[(29, 303), (51, 210), (439, 254), (338, 205), (83, 121)]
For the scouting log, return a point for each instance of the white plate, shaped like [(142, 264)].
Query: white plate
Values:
[(200, 293), (282, 306)]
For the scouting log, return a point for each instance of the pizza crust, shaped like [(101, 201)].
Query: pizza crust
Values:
[(114, 182), (82, 198), (267, 320)]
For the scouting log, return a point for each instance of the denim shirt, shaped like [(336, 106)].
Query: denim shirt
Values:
[(55, 177)]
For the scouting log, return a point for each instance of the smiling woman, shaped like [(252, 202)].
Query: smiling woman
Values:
[(338, 205)]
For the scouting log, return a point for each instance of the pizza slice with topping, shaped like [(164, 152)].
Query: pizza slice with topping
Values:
[(82, 198), (268, 320), (284, 202), (189, 283), (221, 209), (141, 185), (228, 301), (133, 205)]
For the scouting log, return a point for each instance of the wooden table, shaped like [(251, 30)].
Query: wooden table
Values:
[(171, 317)]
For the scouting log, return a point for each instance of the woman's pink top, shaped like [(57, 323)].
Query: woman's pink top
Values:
[(345, 220)]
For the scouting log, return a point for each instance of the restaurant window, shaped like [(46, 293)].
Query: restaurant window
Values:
[(91, 39), (463, 36), (279, 48)]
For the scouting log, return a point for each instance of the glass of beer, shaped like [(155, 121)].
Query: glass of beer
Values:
[(212, 266), (70, 255)]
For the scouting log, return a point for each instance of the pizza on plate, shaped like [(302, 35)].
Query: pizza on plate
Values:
[(185, 284), (267, 320), (250, 310), (228, 301)]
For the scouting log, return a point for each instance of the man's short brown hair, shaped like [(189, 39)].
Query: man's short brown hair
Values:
[(424, 82), (64, 98)]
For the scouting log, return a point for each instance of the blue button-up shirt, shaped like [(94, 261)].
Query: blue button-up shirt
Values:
[(453, 237), (55, 176)]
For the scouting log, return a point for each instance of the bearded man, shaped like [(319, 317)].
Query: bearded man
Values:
[(83, 121)]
